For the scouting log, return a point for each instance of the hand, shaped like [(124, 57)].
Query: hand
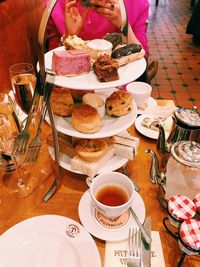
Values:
[(73, 19), (110, 10)]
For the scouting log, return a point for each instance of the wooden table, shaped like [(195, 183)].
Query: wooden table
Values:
[(65, 201)]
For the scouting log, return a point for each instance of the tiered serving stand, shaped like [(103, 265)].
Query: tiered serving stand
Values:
[(111, 126)]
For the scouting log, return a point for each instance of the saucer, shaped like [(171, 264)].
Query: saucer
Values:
[(88, 220), (151, 102)]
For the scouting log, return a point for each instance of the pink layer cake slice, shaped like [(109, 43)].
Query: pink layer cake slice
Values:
[(70, 62)]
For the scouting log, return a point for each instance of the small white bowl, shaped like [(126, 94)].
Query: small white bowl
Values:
[(98, 47), (140, 91)]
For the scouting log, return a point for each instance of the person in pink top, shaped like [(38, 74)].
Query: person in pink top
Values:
[(69, 17)]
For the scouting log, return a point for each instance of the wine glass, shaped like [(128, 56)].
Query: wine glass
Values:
[(23, 81), (17, 177)]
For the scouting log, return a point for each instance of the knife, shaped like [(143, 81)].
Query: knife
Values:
[(145, 247)]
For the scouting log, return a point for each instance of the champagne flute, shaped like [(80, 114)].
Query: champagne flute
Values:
[(23, 81)]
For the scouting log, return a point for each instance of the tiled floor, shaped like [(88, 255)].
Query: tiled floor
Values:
[(178, 76)]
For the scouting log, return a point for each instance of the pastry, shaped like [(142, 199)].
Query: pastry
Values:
[(106, 68), (71, 62), (73, 42), (128, 53), (95, 101), (91, 149), (86, 119), (91, 168), (99, 47), (78, 94), (118, 103), (61, 101)]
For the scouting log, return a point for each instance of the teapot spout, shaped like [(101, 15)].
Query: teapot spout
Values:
[(162, 145), (154, 171)]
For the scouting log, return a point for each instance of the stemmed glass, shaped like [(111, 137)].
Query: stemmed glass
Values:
[(23, 81), (17, 178)]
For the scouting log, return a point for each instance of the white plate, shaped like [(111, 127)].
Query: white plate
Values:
[(151, 102), (111, 165), (127, 73), (85, 211), (44, 241), (110, 127), (147, 131)]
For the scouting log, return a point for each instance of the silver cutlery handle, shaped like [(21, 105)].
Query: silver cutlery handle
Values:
[(136, 187), (145, 235)]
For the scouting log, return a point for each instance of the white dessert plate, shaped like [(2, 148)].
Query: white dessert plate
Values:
[(147, 131), (86, 209), (111, 165), (48, 240), (111, 125), (127, 73), (151, 102)]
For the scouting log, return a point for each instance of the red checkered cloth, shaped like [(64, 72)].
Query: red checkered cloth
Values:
[(190, 233), (181, 207), (197, 202)]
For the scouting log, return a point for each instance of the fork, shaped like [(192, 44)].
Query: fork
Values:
[(22, 139), (36, 143), (134, 248)]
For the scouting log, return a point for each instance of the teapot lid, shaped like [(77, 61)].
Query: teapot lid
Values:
[(188, 116), (187, 153)]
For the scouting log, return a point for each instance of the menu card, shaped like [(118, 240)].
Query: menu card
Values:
[(116, 252)]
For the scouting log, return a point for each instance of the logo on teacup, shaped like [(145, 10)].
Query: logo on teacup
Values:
[(72, 230), (112, 223)]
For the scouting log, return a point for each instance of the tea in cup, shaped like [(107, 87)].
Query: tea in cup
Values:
[(140, 92), (112, 194)]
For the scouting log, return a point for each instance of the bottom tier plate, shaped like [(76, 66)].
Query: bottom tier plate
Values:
[(113, 164)]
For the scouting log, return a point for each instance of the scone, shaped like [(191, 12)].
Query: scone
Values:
[(95, 101), (61, 101), (91, 149), (119, 103), (86, 119), (78, 94)]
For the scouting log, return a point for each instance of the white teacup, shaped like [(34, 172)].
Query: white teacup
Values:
[(140, 91), (112, 194)]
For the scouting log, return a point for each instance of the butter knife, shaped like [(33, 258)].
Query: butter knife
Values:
[(146, 248)]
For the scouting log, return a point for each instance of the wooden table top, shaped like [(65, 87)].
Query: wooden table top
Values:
[(66, 199)]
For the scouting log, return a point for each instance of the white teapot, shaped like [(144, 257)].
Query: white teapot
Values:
[(182, 175)]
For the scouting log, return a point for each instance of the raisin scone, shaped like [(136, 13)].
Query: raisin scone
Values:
[(119, 103)]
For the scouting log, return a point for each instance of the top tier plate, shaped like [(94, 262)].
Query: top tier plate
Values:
[(127, 73)]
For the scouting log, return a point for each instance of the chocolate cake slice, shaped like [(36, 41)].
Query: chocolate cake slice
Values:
[(106, 68)]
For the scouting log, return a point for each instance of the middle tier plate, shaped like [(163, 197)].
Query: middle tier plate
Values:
[(111, 125)]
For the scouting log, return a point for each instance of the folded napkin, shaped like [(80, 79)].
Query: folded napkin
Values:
[(115, 252)]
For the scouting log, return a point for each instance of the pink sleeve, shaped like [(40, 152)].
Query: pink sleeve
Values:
[(138, 14)]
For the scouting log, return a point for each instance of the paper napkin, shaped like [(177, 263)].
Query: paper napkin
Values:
[(116, 252)]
